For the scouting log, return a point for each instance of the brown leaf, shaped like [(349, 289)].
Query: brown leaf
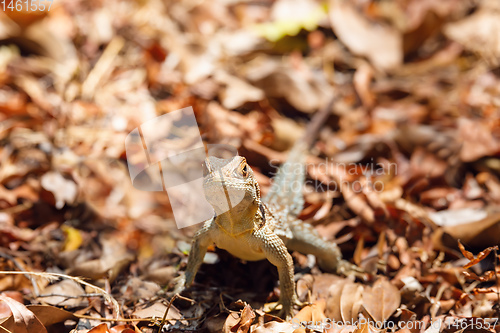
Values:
[(344, 301), (275, 327), (115, 258), (487, 276), (314, 312), (4, 308), (483, 254), (381, 44), (359, 251), (50, 315), (102, 328), (231, 321), (246, 319), (474, 32), (301, 89), (237, 92), (350, 302), (465, 253), (158, 310), (122, 329), (68, 288), (362, 82), (358, 204), (483, 290), (22, 319), (363, 328), (476, 233), (478, 139), (381, 300)]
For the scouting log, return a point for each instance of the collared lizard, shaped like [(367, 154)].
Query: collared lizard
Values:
[(252, 228)]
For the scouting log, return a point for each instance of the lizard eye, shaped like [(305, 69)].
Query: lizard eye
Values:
[(244, 169)]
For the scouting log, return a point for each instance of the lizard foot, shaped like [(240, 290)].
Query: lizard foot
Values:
[(178, 284), (346, 268), (285, 308)]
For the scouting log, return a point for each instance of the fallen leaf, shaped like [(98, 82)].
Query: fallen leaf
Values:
[(236, 92), (381, 300), (4, 307), (344, 301), (64, 190), (50, 315), (231, 321), (66, 293), (474, 32), (474, 261), (122, 329), (246, 318), (23, 320), (102, 328), (478, 138), (158, 310), (380, 43), (275, 327)]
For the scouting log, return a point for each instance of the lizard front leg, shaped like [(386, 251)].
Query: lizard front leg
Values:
[(201, 240), (277, 254)]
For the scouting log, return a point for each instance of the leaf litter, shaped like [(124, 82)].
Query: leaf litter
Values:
[(404, 175)]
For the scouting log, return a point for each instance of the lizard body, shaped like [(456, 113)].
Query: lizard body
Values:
[(252, 228)]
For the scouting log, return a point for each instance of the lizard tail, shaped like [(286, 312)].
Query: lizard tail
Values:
[(286, 190)]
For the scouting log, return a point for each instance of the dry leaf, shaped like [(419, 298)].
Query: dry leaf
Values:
[(480, 233), (475, 32), (68, 288), (275, 327), (473, 261), (50, 315), (246, 318), (381, 300), (231, 321), (122, 329), (102, 328), (487, 276), (381, 44), (344, 301), (466, 253), (22, 319), (64, 190)]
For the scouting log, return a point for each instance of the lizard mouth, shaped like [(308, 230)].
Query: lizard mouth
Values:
[(224, 195)]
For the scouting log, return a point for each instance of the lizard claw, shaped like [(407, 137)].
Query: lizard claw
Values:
[(286, 310), (178, 284)]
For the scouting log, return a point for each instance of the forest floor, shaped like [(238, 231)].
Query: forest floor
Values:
[(404, 176)]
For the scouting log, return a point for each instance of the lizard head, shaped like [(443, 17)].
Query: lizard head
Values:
[(230, 185)]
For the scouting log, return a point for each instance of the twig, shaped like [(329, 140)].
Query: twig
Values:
[(128, 320), (6, 330), (162, 323), (69, 296), (55, 276)]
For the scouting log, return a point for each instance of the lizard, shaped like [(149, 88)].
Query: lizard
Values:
[(254, 228)]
